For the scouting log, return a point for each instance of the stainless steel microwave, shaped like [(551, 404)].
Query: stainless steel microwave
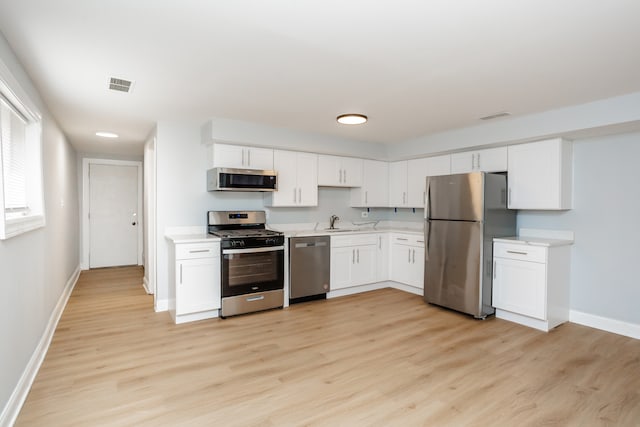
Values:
[(230, 179)]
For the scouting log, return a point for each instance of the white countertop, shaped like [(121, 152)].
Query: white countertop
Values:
[(533, 241), (347, 231), (192, 238)]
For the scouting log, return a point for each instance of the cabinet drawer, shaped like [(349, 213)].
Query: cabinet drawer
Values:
[(354, 240), (407, 239), (520, 252), (198, 250)]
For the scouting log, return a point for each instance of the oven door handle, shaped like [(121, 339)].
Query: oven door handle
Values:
[(252, 250)]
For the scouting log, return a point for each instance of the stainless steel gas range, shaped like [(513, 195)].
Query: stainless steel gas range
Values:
[(252, 261)]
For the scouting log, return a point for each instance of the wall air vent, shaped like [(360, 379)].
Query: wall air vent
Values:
[(496, 116), (120, 85)]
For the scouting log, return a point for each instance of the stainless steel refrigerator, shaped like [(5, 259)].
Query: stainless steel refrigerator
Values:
[(463, 213)]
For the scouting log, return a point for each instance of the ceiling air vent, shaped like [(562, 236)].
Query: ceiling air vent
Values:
[(121, 85), (496, 116)]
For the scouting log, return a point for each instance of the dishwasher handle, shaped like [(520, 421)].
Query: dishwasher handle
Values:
[(310, 244)]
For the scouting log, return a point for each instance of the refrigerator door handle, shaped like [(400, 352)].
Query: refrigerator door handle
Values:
[(427, 232), (427, 197)]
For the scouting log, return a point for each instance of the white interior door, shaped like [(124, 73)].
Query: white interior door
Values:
[(113, 216)]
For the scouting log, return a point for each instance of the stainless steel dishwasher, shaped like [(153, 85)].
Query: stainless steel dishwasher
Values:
[(309, 268)]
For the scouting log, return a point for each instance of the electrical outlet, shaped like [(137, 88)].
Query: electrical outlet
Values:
[(364, 214)]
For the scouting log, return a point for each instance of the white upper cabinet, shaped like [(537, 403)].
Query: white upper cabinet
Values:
[(374, 191), (297, 179), (540, 175), (398, 190), (417, 172), (336, 171), (238, 156), (489, 160)]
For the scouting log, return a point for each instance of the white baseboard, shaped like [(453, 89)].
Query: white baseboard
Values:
[(145, 285), (619, 327), (161, 305), (19, 395)]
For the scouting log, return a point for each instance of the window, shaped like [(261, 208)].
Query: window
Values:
[(21, 163)]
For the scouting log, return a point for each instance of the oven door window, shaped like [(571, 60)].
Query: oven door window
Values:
[(244, 273)]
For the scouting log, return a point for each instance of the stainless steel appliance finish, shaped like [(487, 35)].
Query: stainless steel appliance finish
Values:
[(229, 179), (463, 213), (309, 264), (252, 261)]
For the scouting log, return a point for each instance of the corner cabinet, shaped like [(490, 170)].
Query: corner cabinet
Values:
[(374, 192), (531, 283), (238, 156), (336, 171), (195, 281), (540, 175), (297, 179)]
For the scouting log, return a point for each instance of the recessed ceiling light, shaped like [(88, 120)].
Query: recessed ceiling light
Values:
[(352, 119), (107, 134)]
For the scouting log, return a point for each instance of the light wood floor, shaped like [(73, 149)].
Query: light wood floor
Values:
[(382, 358)]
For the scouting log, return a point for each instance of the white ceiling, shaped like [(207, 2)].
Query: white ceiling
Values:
[(415, 67)]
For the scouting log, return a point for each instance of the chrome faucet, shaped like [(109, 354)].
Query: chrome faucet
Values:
[(332, 221)]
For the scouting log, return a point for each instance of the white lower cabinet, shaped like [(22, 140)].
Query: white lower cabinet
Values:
[(531, 284), (407, 259), (353, 260), (195, 281)]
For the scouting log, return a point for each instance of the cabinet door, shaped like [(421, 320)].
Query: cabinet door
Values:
[(259, 158), (398, 184), (285, 165), (364, 268), (416, 268), (490, 160), (520, 287), (352, 171), (540, 175), (400, 261), (329, 171), (228, 156), (342, 260), (382, 258), (376, 187), (197, 285), (417, 170), (463, 162), (438, 165), (307, 179)]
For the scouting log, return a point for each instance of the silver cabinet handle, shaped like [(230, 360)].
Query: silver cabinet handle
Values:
[(181, 274), (299, 195), (404, 197), (473, 161), (353, 256), (509, 198), (198, 251), (494, 269), (413, 257), (424, 197), (248, 157), (478, 160), (341, 179), (358, 252), (517, 252), (409, 260), (294, 196), (401, 238), (380, 242), (345, 175), (366, 197)]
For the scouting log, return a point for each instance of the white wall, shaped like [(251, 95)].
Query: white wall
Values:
[(604, 274), (36, 266)]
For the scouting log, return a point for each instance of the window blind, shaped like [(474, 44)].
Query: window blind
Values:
[(12, 139)]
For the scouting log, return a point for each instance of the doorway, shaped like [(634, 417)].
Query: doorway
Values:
[(112, 211)]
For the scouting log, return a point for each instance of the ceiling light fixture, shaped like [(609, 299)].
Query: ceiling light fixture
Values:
[(107, 134), (352, 119)]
